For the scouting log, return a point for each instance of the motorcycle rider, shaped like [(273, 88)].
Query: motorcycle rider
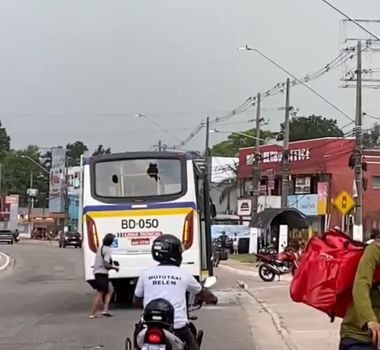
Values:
[(223, 240), (169, 281)]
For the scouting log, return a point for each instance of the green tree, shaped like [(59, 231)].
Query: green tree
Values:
[(230, 147), (312, 127), (5, 141), (100, 151), (20, 173), (74, 152)]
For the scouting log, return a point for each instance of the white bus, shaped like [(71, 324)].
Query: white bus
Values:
[(138, 196)]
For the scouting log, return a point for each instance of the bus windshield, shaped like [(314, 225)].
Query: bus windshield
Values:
[(135, 178)]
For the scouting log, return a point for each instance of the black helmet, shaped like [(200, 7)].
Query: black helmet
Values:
[(167, 249), (159, 311), (108, 239)]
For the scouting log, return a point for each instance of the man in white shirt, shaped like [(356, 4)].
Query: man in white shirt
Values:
[(168, 281)]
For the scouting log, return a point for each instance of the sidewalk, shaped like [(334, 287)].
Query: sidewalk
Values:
[(276, 319), (248, 269)]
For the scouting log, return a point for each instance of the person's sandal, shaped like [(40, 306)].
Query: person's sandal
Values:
[(91, 317), (107, 314)]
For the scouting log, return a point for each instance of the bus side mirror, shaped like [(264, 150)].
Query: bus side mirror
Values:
[(212, 210)]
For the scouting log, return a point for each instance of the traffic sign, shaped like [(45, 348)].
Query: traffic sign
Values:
[(344, 202), (244, 206), (12, 199)]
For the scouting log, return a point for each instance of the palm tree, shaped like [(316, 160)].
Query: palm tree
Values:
[(100, 151)]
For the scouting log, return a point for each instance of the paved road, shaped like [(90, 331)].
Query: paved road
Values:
[(44, 306), (4, 260)]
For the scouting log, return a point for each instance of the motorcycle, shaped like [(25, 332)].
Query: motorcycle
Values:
[(157, 336), (271, 266), (219, 253), (16, 235)]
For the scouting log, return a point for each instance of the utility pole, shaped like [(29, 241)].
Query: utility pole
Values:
[(30, 198), (1, 179), (285, 153), (358, 170), (159, 146), (207, 200), (66, 194), (256, 161)]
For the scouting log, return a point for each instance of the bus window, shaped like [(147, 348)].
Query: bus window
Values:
[(136, 178)]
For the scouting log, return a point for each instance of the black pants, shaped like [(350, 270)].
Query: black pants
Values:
[(352, 344), (186, 336)]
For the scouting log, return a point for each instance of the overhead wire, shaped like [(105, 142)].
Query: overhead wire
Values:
[(345, 135), (342, 57), (352, 20), (371, 116)]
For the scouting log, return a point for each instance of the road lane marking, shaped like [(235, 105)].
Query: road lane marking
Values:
[(7, 261)]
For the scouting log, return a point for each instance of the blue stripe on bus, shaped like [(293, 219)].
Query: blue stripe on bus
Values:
[(138, 206)]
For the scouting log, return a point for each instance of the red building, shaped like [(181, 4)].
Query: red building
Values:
[(316, 161)]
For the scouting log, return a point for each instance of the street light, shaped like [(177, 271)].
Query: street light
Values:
[(30, 199), (140, 115), (36, 163), (248, 48)]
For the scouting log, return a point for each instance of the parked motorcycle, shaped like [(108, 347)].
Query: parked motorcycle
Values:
[(271, 266), (155, 334)]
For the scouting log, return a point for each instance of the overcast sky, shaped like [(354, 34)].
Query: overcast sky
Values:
[(79, 70)]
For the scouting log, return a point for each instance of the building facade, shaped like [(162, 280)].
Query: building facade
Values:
[(319, 171)]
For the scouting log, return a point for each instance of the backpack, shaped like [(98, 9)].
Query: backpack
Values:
[(326, 273), (102, 255)]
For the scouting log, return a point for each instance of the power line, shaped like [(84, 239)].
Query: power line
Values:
[(102, 114), (371, 116), (165, 130), (303, 83), (351, 20), (279, 87)]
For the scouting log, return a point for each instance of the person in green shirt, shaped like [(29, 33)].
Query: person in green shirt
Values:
[(360, 328)]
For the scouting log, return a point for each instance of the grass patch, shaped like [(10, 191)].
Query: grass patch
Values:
[(244, 258)]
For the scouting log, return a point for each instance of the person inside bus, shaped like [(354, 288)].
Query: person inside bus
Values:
[(152, 284), (103, 264)]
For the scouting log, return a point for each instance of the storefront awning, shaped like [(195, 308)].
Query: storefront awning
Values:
[(280, 216)]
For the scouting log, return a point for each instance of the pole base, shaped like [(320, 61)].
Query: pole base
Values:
[(357, 233)]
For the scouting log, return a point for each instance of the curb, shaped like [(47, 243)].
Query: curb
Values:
[(7, 261), (276, 320), (252, 273)]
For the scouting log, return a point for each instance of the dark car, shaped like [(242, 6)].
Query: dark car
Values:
[(7, 236), (70, 239)]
